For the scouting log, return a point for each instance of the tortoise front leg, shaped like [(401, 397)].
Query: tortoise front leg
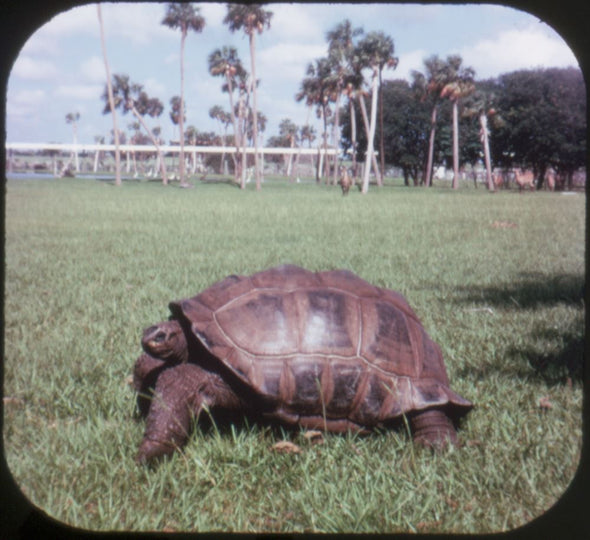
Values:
[(175, 399), (432, 428)]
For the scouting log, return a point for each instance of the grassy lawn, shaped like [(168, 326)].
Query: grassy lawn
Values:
[(496, 279)]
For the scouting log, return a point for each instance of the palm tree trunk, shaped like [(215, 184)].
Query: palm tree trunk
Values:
[(181, 168), (381, 141), (111, 100), (237, 172), (254, 109), (335, 141), (371, 136), (323, 156), (428, 171), (366, 124), (455, 144), (242, 124), (483, 122), (353, 134)]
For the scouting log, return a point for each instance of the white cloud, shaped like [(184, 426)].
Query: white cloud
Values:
[(530, 47), (24, 103), (139, 23), (79, 91), (288, 59), (93, 69), (28, 97), (78, 20), (26, 67), (296, 22)]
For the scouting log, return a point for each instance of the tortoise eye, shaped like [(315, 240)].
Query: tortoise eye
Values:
[(160, 337)]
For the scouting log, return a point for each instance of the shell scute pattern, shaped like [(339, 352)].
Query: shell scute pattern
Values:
[(300, 338)]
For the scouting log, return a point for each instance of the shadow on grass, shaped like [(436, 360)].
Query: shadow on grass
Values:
[(541, 359), (558, 365), (553, 355), (532, 290)]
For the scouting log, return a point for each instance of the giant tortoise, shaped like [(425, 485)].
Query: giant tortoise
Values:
[(323, 350)]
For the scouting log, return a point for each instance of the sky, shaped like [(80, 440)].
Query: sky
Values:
[(60, 69)]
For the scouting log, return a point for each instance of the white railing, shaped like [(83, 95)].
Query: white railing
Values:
[(80, 148)]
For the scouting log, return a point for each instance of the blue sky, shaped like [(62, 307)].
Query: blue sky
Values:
[(60, 68)]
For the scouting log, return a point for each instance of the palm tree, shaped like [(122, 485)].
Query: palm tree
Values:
[(184, 17), (110, 99), (374, 51), (318, 88), (429, 86), (289, 131), (225, 63), (131, 97), (217, 113), (72, 118), (340, 52), (251, 18), (460, 84)]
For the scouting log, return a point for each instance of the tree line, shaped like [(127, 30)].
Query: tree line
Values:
[(533, 119)]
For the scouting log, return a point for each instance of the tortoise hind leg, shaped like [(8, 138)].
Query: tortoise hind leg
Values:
[(432, 428)]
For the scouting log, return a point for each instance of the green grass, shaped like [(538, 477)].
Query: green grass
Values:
[(89, 265)]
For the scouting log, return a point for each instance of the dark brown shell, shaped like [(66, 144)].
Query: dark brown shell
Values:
[(326, 343)]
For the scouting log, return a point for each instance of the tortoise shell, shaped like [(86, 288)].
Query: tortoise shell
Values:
[(325, 343)]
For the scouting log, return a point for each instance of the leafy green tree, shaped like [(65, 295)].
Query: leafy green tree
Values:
[(406, 125), (183, 17), (251, 18), (544, 121)]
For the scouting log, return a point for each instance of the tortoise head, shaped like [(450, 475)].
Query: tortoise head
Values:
[(166, 340)]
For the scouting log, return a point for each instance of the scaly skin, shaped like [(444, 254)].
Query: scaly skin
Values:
[(181, 392), (432, 428)]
